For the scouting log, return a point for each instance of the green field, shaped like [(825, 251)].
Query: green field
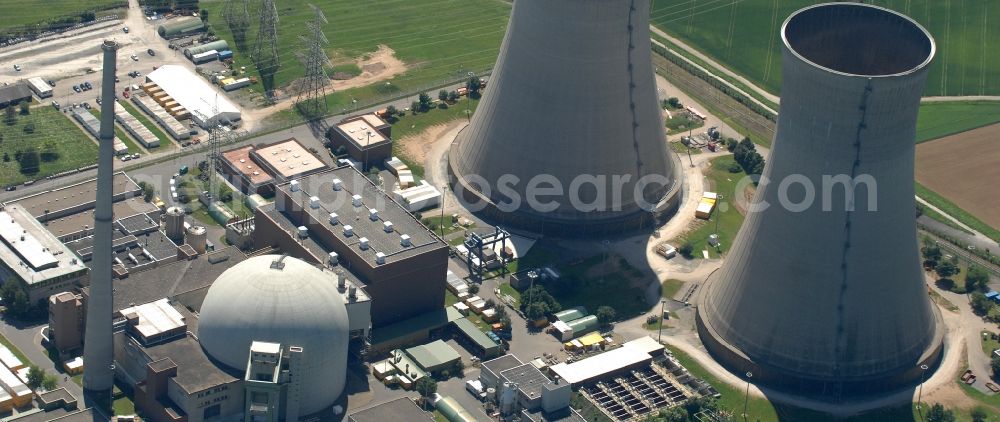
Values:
[(438, 40), (937, 120), (74, 147), (21, 13), (953, 210), (729, 218), (744, 36), (133, 147)]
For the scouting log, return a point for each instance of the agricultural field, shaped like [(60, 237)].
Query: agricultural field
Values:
[(744, 36), (437, 40), (71, 147), (960, 167), (17, 15), (937, 120)]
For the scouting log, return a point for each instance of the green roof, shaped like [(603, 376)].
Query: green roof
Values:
[(425, 321), (583, 325), (433, 356), (453, 411), (571, 314), (474, 334)]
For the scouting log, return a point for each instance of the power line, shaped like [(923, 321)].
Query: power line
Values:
[(265, 52), (312, 97)]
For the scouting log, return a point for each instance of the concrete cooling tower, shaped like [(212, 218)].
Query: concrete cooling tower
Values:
[(570, 113), (812, 297)]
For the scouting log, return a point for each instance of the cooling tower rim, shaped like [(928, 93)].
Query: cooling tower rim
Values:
[(932, 45)]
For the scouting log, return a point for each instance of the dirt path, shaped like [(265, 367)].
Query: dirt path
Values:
[(418, 146), (375, 67)]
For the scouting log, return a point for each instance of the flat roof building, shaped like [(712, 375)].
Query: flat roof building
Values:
[(367, 138), (13, 94), (342, 216), (401, 409), (255, 169), (635, 353), (208, 106), (33, 257)]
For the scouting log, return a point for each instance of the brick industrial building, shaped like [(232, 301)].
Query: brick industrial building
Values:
[(367, 138)]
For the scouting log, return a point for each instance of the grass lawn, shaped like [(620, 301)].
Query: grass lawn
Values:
[(15, 350), (73, 145), (728, 217), (434, 224), (937, 120), (745, 37), (165, 142), (989, 344), (601, 280), (133, 147), (18, 14), (683, 122), (437, 39), (940, 300), (681, 149), (417, 123), (955, 211), (541, 254), (670, 287), (123, 406), (191, 184), (506, 289)]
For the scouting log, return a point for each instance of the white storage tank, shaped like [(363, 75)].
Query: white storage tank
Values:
[(174, 219), (197, 237)]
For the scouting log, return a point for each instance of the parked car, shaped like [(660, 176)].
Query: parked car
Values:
[(10, 188), (88, 85), (98, 100), (135, 156), (125, 158), (134, 57), (150, 52), (17, 67), (117, 80), (86, 106), (125, 29), (77, 88), (55, 104), (52, 83)]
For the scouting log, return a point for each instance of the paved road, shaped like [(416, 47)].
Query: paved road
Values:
[(28, 340)]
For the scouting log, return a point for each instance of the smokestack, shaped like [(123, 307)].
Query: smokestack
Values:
[(572, 99), (98, 377), (823, 293)]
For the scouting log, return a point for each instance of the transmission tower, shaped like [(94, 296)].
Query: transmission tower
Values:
[(312, 96), (265, 51), (237, 15)]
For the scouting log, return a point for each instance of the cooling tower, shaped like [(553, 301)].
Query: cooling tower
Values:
[(812, 297), (571, 115), (98, 377)]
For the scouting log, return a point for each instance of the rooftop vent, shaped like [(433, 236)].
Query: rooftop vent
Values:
[(363, 243), (334, 218), (348, 231), (338, 184), (373, 214), (380, 258), (294, 185), (352, 293), (356, 200), (314, 202), (303, 232), (404, 240), (334, 260), (387, 226)]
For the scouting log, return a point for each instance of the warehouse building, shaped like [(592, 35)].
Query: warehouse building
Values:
[(216, 46), (180, 27), (14, 94), (33, 258), (167, 121), (401, 409), (341, 217), (206, 105), (93, 126), (367, 138), (135, 128)]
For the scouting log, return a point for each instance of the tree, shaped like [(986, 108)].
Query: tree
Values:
[(939, 414), (695, 405), (473, 288), (674, 102), (147, 191), (976, 278), (50, 383), (474, 85), (673, 414), (426, 386), (25, 108), (414, 107), (995, 366), (443, 95), (88, 16), (36, 376), (424, 101), (6, 157), (731, 144), (686, 249), (536, 311), (453, 96), (979, 414), (10, 116), (605, 315), (993, 315), (391, 110), (946, 269), (981, 305), (203, 14), (28, 162), (931, 251), (49, 152)]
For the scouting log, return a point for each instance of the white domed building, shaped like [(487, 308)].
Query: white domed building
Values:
[(284, 301)]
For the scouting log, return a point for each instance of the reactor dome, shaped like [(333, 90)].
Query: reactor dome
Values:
[(280, 300)]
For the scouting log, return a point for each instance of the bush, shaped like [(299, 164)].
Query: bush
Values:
[(29, 128), (735, 168), (605, 315), (686, 250)]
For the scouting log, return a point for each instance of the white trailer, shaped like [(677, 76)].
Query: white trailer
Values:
[(40, 87)]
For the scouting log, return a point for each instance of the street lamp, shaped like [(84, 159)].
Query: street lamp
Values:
[(746, 398), (663, 302)]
